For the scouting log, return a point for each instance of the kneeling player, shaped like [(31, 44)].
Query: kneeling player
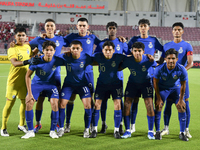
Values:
[(108, 83), (75, 81), (170, 83), (45, 83), (139, 82)]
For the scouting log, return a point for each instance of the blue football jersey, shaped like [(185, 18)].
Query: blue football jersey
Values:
[(108, 68), (44, 71), (182, 47), (151, 44), (87, 44), (120, 48), (138, 70), (76, 69), (170, 79), (59, 41)]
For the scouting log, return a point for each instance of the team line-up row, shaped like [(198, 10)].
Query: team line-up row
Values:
[(169, 79)]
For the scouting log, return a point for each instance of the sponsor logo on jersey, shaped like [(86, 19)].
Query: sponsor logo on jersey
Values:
[(13, 96), (164, 77), (81, 65), (180, 50), (113, 64), (175, 77), (57, 43), (88, 41), (150, 45), (118, 47), (126, 92), (53, 68), (28, 51), (144, 68)]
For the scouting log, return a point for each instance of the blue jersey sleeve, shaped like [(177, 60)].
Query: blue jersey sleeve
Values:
[(89, 59), (32, 67), (189, 47), (158, 45), (66, 40), (98, 49), (130, 43), (164, 50), (184, 75), (125, 48), (157, 73), (59, 60), (96, 40), (124, 63), (34, 42)]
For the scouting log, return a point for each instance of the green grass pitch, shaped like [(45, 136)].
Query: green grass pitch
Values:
[(74, 139)]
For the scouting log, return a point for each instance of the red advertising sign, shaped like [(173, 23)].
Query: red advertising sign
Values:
[(196, 64)]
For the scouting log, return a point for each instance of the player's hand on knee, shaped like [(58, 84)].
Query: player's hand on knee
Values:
[(159, 104), (29, 98), (181, 105)]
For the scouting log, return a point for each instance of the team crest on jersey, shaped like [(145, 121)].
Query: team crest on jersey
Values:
[(180, 50), (113, 64), (88, 41), (164, 77), (54, 68), (81, 65), (144, 68), (175, 77), (28, 51), (118, 47), (57, 43), (96, 95), (150, 45)]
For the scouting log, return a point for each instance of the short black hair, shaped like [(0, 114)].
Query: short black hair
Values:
[(112, 23), (20, 29), (180, 24), (76, 42), (108, 43), (82, 19), (171, 51), (48, 43), (138, 45), (144, 21), (50, 20)]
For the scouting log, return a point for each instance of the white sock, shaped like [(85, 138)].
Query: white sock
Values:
[(103, 122), (87, 129), (94, 128), (121, 123), (116, 129), (166, 127), (132, 126)]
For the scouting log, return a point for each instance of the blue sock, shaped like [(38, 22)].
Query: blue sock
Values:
[(61, 117), (29, 119), (157, 120), (134, 109), (167, 112), (69, 109), (95, 117), (103, 109), (127, 122), (122, 108), (38, 115), (117, 117), (182, 121), (54, 119), (151, 120), (87, 117), (187, 114)]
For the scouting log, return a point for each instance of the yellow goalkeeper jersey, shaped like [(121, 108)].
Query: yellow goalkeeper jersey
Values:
[(16, 75)]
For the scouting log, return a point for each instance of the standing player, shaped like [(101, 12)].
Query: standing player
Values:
[(139, 82), (50, 28), (44, 82), (75, 81), (19, 55), (185, 58), (170, 83), (120, 48), (87, 44), (108, 84), (151, 45)]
